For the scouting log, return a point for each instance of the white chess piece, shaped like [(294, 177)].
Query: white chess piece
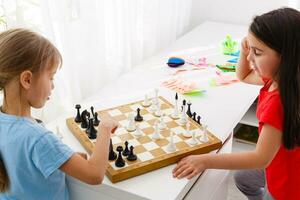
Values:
[(156, 134), (204, 137), (158, 111), (131, 123), (193, 141), (171, 146), (156, 95), (162, 124), (153, 107), (138, 132), (183, 118), (146, 102), (187, 133)]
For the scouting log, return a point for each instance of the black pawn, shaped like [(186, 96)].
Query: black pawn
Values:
[(131, 156), (84, 121), (188, 112), (96, 120), (120, 162), (176, 96), (138, 117), (91, 131), (78, 117), (126, 150), (184, 102), (198, 120), (92, 110), (194, 116), (112, 155)]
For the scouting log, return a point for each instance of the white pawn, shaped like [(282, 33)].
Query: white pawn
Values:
[(187, 133), (162, 124), (171, 146), (131, 123), (146, 102), (156, 96), (183, 119), (138, 132), (204, 137), (156, 134), (153, 107), (158, 111), (193, 141)]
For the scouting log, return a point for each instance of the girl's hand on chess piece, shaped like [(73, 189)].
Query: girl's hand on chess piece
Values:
[(108, 125), (189, 166), (245, 49)]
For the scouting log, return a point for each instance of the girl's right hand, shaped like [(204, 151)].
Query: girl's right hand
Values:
[(245, 49), (108, 125)]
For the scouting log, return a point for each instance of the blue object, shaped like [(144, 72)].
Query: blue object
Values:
[(175, 62), (234, 60), (236, 53), (32, 157)]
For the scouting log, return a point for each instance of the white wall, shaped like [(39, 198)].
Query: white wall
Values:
[(232, 11)]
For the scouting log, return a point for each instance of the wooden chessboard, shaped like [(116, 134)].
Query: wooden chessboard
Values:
[(151, 154)]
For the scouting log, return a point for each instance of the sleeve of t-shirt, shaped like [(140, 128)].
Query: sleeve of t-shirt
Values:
[(273, 113), (49, 153)]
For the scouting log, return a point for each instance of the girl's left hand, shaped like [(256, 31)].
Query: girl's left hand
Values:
[(189, 167)]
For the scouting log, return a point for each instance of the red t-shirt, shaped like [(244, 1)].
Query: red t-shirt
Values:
[(283, 173)]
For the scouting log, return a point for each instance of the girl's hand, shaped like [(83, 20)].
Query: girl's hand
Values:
[(189, 167), (245, 49), (83, 155), (108, 125)]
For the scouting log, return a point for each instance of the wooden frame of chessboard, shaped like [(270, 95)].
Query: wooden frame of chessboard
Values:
[(139, 168)]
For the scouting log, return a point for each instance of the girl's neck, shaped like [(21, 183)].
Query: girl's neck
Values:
[(273, 86)]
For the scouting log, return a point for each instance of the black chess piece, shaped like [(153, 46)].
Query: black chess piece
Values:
[(176, 96), (96, 120), (126, 150), (120, 162), (78, 117), (131, 156), (184, 102), (194, 116), (112, 155), (84, 121), (92, 110), (91, 131), (198, 120), (138, 117), (188, 112)]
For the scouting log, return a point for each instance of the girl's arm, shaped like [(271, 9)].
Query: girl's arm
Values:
[(92, 171), (267, 146), (244, 72)]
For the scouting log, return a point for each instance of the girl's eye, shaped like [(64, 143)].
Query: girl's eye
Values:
[(257, 53)]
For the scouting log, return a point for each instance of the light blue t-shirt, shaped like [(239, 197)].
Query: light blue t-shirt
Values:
[(32, 156)]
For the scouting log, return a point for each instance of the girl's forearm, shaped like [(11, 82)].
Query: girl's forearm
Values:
[(243, 68)]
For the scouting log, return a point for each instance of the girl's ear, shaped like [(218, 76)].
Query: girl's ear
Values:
[(26, 79)]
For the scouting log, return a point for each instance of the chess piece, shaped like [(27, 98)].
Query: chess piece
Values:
[(156, 96), (126, 150), (91, 131), (138, 131), (187, 133), (171, 146), (120, 162), (158, 110), (162, 125), (84, 121), (204, 137), (131, 123), (112, 155), (131, 156), (183, 118), (153, 106), (96, 120), (146, 102), (194, 116), (198, 120), (78, 117), (175, 114), (92, 110), (156, 134), (193, 141), (188, 112), (138, 117)]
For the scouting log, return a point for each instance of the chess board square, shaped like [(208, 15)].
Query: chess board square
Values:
[(148, 130), (164, 106), (112, 164), (145, 156), (150, 146), (124, 123), (143, 139), (139, 149), (120, 117), (169, 111), (120, 131), (114, 112), (126, 136), (172, 124), (144, 125), (144, 111), (116, 140), (181, 145), (125, 109), (152, 121), (178, 130), (136, 106), (165, 133), (148, 117), (162, 142), (157, 152), (133, 142), (167, 119), (176, 139)]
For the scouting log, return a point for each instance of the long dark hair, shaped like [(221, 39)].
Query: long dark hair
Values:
[(280, 30)]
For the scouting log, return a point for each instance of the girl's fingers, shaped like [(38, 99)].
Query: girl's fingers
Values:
[(185, 173), (179, 164), (179, 170), (191, 175)]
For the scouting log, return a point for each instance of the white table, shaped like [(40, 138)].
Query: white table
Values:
[(221, 109)]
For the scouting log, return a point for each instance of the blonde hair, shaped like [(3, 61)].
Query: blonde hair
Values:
[(20, 50)]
